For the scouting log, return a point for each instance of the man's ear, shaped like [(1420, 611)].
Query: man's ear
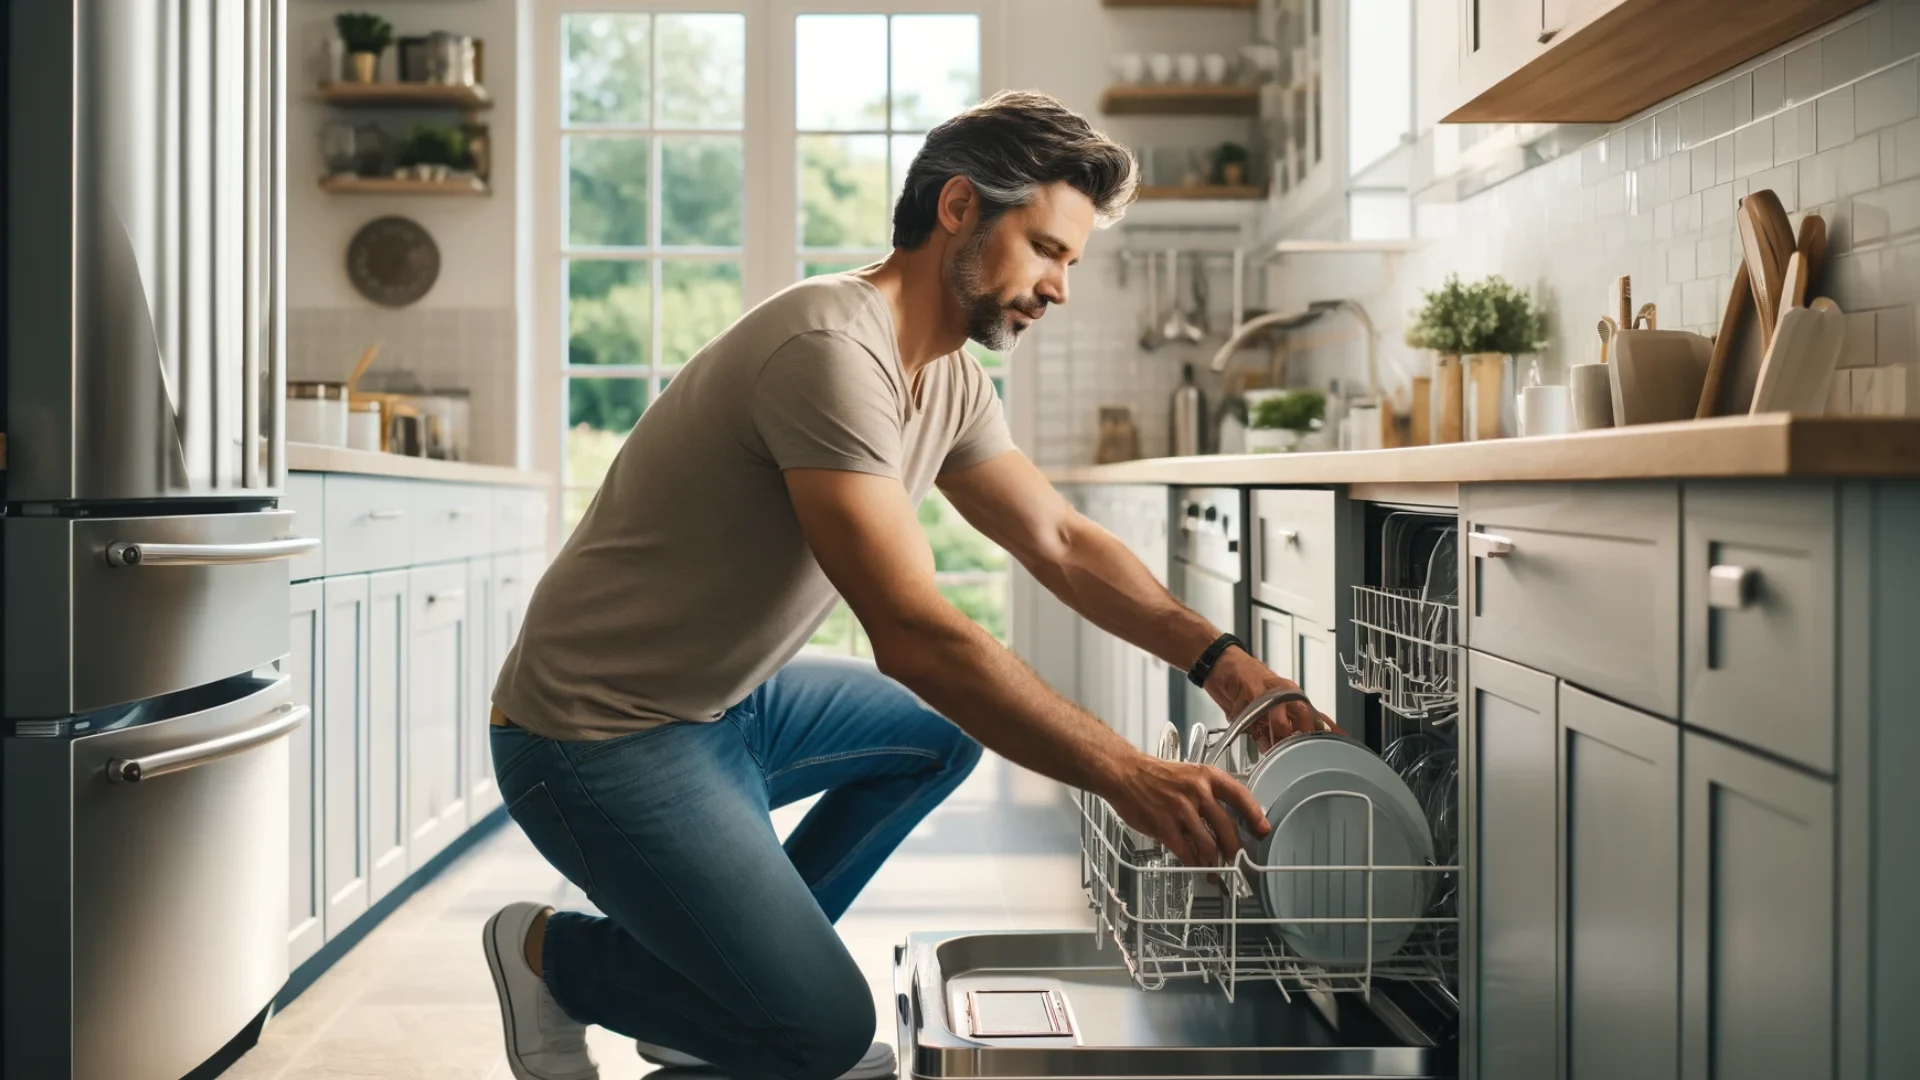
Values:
[(958, 205)]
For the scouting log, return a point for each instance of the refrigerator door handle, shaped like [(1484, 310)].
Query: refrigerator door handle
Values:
[(131, 553), (271, 726)]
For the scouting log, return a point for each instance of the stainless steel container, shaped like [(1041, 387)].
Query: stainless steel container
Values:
[(1189, 411)]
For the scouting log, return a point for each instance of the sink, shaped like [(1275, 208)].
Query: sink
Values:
[(959, 997)]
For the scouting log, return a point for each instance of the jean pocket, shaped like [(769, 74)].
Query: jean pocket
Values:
[(539, 817), (582, 752)]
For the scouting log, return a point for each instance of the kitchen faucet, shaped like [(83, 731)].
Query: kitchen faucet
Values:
[(1289, 320)]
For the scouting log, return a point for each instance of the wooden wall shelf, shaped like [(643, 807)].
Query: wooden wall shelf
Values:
[(1203, 191), (1180, 101), (387, 185), (405, 95), (1236, 5)]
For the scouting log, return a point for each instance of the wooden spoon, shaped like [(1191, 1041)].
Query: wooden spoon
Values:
[(1812, 243), (366, 361), (1793, 286), (1763, 274), (1723, 342)]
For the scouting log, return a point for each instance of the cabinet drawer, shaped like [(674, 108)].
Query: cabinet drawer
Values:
[(450, 521), (368, 526), (519, 519), (1579, 581), (1293, 547), (1760, 588), (305, 495)]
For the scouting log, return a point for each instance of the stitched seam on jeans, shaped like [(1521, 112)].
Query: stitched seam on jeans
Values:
[(534, 746), (849, 755), (596, 747), (580, 857), (847, 859), (667, 885)]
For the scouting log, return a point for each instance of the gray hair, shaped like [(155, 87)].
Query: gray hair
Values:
[(1008, 147)]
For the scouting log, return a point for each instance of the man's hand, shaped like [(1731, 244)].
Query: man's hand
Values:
[(1238, 679), (1181, 805)]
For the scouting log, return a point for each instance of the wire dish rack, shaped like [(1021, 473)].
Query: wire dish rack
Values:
[(1406, 650), (1208, 923)]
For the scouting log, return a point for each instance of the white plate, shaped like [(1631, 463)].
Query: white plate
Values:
[(1332, 831)]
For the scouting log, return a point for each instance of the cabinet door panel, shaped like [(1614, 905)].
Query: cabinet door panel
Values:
[(1511, 932), (1316, 665), (1273, 641), (387, 730), (436, 696), (1620, 811), (345, 742), (305, 928), (483, 592), (1757, 900)]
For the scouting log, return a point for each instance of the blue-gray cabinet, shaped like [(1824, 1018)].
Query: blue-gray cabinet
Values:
[(306, 927), (439, 637), (386, 766), (346, 746)]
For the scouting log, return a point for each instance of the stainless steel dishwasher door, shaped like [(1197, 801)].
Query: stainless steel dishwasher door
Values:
[(1184, 1029)]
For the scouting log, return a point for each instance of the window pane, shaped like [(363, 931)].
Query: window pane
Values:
[(835, 635), (936, 67), (600, 412), (957, 546), (700, 195), (606, 68), (573, 507), (697, 301), (814, 269), (609, 311), (904, 148), (703, 70), (843, 191), (606, 190), (840, 72), (988, 358), (983, 602)]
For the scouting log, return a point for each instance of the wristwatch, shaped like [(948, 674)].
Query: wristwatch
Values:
[(1203, 667)]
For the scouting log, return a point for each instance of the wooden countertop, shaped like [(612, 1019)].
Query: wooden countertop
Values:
[(306, 457), (1774, 445)]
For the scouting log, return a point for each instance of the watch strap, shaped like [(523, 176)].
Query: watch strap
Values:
[(1203, 667)]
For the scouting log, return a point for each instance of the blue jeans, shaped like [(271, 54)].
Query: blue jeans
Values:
[(717, 942)]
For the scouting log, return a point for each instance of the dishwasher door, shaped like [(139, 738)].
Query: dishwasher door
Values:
[(1026, 1005)]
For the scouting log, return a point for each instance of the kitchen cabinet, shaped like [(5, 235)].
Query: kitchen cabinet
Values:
[(386, 774), (1316, 665), (306, 927), (1272, 641), (346, 746), (1510, 915), (1758, 937), (482, 793), (1620, 858), (439, 629)]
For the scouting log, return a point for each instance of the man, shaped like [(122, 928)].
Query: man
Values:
[(653, 711)]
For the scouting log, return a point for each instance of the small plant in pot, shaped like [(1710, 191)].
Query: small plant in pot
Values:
[(1230, 164), (432, 150), (366, 36), (1277, 422), (1475, 331)]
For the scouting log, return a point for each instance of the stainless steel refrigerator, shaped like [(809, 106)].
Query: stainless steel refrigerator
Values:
[(143, 760)]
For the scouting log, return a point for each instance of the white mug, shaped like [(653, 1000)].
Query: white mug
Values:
[(1546, 410), (1214, 67), (1130, 68), (1187, 67), (1160, 66)]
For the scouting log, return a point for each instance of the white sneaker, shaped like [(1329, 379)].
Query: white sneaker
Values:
[(543, 1042), (876, 1064)]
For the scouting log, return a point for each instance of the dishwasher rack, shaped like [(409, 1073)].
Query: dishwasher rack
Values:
[(1407, 651)]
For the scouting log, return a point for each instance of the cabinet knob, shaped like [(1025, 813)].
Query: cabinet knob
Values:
[(1730, 588), (1287, 537), (1488, 545)]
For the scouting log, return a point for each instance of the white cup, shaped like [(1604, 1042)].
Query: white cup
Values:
[(1592, 393), (1546, 410), (1214, 67), (1130, 68), (1160, 67), (1186, 67)]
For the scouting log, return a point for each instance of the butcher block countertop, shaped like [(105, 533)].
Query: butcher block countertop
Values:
[(1771, 446), (306, 457)]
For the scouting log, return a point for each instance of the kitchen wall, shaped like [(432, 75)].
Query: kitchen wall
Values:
[(462, 334), (1830, 122)]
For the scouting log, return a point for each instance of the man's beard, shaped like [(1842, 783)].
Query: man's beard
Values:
[(986, 314)]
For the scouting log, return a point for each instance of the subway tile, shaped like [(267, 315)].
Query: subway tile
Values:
[(1743, 99), (1802, 73), (1723, 160), (1697, 302), (1663, 222), (1714, 256), (1671, 300), (1905, 34), (1901, 267), (1769, 88), (1592, 166), (1858, 348), (1650, 184), (1666, 132), (1889, 157), (1701, 169), (1887, 97), (1610, 197), (1895, 338), (1833, 119), (1860, 165), (1616, 151), (1639, 139), (1820, 177), (1845, 55), (1693, 127), (1716, 208), (1793, 134), (1897, 206), (1682, 265), (1861, 403), (1753, 148), (1716, 111), (1640, 228), (1880, 46), (1686, 215), (1840, 393), (1782, 180), (1854, 280), (1839, 218)]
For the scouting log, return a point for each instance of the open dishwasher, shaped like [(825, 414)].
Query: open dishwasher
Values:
[(1330, 949)]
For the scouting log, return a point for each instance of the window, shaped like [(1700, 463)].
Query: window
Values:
[(707, 154)]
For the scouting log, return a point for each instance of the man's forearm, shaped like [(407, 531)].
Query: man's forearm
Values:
[(1109, 585)]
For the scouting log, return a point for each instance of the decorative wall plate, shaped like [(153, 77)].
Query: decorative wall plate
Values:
[(392, 261)]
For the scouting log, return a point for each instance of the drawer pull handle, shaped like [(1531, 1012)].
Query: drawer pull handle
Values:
[(133, 553), (460, 512), (1287, 537), (1488, 546), (1730, 588), (271, 726), (446, 597), (385, 515)]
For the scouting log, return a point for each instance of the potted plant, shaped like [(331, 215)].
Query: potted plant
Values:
[(434, 149), (1276, 422), (366, 36), (1474, 332), (1230, 164)]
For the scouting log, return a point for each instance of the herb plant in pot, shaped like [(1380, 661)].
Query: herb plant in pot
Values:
[(366, 36), (1276, 423), (434, 149), (1474, 331)]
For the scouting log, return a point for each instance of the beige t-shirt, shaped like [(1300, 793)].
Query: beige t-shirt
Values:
[(688, 582)]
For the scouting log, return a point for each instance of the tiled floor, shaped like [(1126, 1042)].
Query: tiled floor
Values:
[(413, 1001)]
